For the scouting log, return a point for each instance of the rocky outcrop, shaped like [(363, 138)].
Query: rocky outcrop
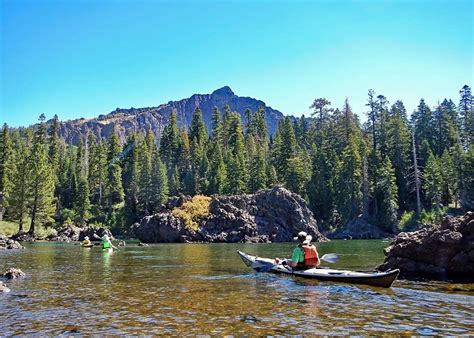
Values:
[(73, 233), (161, 228), (442, 250), (13, 273), (359, 229), (141, 119), (273, 215), (9, 243)]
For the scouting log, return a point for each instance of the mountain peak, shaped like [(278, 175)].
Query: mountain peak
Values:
[(224, 91)]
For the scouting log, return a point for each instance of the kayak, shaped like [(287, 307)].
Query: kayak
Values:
[(380, 279)]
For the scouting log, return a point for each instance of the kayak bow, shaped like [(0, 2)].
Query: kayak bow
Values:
[(380, 279)]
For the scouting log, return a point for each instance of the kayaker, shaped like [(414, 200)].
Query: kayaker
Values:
[(106, 243), (305, 255), (86, 241)]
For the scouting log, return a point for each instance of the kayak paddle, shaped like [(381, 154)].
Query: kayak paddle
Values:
[(330, 258), (265, 265)]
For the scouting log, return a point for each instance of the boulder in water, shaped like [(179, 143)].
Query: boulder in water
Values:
[(13, 273), (9, 243), (3, 288), (443, 250)]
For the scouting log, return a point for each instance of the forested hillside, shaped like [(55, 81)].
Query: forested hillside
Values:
[(389, 168)]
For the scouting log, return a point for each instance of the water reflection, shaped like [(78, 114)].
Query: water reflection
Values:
[(205, 289)]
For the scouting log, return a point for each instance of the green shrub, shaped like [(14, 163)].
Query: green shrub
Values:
[(43, 232), (408, 221), (432, 216)]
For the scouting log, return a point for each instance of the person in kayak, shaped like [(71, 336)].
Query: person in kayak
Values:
[(305, 255), (86, 242), (106, 243)]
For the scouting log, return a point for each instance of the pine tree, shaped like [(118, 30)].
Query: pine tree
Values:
[(467, 177), (449, 178), (423, 121), (217, 172), (98, 171), (42, 187), (445, 129), (387, 186), (272, 179), (197, 128), (258, 179), (159, 182), (19, 198), (466, 111), (382, 114), (216, 125), (130, 176), (321, 112), (53, 144), (321, 184), (169, 142), (7, 169), (236, 157), (298, 175), (373, 118), (349, 182), (433, 181), (82, 202), (174, 182), (285, 148), (399, 150), (114, 188)]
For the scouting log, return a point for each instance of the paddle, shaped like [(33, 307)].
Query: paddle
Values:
[(265, 265)]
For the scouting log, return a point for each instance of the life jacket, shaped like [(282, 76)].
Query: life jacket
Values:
[(105, 245), (311, 257)]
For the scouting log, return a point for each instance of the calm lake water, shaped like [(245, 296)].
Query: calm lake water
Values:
[(206, 289)]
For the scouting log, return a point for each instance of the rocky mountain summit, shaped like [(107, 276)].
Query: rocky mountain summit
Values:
[(156, 118), (442, 250), (272, 215)]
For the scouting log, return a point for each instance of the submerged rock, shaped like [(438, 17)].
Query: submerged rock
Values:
[(442, 250), (3, 288), (9, 243), (13, 273), (272, 215)]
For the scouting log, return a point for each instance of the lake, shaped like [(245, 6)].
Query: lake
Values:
[(206, 289)]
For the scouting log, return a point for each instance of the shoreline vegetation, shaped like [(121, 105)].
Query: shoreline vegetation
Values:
[(390, 172)]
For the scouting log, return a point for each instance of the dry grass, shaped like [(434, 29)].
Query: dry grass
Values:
[(192, 211), (10, 228)]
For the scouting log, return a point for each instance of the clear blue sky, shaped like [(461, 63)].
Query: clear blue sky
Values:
[(82, 58)]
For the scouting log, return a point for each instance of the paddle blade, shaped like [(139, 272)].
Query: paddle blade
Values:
[(261, 266), (330, 258)]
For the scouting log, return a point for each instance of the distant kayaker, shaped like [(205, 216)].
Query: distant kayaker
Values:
[(305, 255), (86, 241), (106, 243)]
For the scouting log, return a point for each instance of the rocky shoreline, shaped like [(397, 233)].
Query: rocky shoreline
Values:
[(272, 215), (7, 243), (440, 251)]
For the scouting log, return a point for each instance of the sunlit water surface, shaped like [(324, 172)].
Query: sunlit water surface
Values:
[(206, 289)]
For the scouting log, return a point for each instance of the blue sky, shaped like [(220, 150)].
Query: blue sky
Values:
[(81, 58)]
